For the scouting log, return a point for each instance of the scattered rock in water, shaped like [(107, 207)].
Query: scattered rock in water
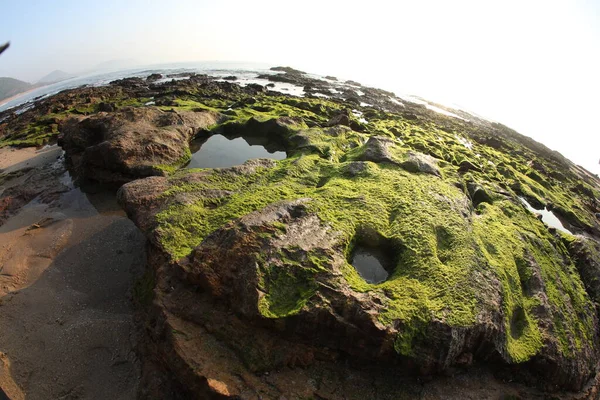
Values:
[(256, 87), (154, 77), (230, 78), (132, 83), (353, 83), (288, 70)]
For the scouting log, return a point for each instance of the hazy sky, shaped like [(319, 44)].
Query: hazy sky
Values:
[(533, 65)]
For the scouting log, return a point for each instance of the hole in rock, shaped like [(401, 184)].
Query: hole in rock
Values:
[(219, 151), (518, 322), (374, 257), (444, 241)]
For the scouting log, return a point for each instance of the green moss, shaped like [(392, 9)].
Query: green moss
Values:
[(445, 252), (507, 236), (288, 288), (170, 168), (442, 251)]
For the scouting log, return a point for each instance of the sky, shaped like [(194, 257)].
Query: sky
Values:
[(532, 65)]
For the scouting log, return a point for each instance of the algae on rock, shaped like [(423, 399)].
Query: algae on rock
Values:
[(475, 275)]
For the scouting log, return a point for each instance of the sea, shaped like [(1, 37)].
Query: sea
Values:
[(245, 72)]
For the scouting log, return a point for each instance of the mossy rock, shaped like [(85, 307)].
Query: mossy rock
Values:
[(474, 274)]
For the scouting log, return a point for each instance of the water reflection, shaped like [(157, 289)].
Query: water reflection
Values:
[(218, 151), (368, 265), (547, 216)]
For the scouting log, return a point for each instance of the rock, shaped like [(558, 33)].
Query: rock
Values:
[(419, 162), (256, 87), (357, 168), (130, 143), (353, 83), (106, 107), (343, 118), (282, 269), (20, 187), (465, 360), (154, 77), (492, 141), (230, 78), (466, 166), (182, 75), (377, 149), (309, 87), (252, 269), (130, 83), (478, 194), (278, 130), (586, 255), (331, 78), (287, 70), (165, 101), (598, 215)]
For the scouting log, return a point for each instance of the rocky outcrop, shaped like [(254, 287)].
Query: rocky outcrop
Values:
[(283, 270), (131, 143), (251, 266), (288, 70), (154, 77)]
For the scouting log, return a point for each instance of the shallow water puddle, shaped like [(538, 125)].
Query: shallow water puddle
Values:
[(547, 216), (465, 142), (359, 115), (218, 152), (367, 264)]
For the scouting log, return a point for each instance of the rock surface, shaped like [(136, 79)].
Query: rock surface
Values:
[(131, 143), (285, 269), (252, 292)]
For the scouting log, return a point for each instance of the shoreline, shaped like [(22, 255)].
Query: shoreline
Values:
[(16, 96), (58, 300)]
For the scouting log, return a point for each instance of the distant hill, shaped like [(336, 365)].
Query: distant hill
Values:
[(55, 76), (10, 87)]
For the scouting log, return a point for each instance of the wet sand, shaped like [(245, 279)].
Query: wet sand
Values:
[(12, 159), (66, 272)]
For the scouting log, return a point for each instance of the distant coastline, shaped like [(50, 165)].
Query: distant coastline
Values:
[(15, 96)]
